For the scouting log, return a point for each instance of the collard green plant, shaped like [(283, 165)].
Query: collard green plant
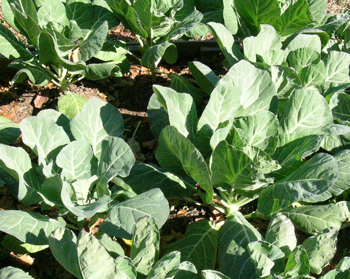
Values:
[(156, 23), (61, 39)]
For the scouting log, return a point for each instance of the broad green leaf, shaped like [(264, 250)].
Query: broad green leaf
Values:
[(344, 264), (9, 132), (313, 75), (158, 117), (75, 160), (71, 104), (263, 255), (230, 17), (180, 108), (124, 268), (51, 189), (226, 43), (116, 159), (295, 16), (52, 11), (98, 71), (13, 244), (265, 47), (11, 46), (29, 227), (234, 237), (308, 41), (340, 108), (112, 246), (318, 10), (297, 263), (281, 233), (213, 274), (199, 246), (260, 130), (306, 113), (302, 58), (37, 75), (81, 11), (177, 154), (63, 245), (13, 273), (254, 13), (233, 170), (321, 249), (145, 245), (121, 218), (244, 90), (183, 85), (16, 162), (337, 274), (102, 12), (144, 177), (315, 218), (88, 247), (343, 181), (94, 41), (285, 79), (291, 154), (185, 25), (186, 270), (166, 266), (86, 210), (152, 57), (311, 183), (44, 137), (82, 188), (205, 77), (338, 139), (96, 121), (337, 69)]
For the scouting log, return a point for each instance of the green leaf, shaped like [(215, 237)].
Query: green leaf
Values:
[(343, 181), (71, 104), (230, 17), (233, 170), (29, 227), (88, 247), (158, 117), (11, 243), (265, 47), (205, 77), (16, 161), (121, 218), (93, 41), (52, 11), (286, 81), (152, 57), (177, 154), (102, 12), (199, 246), (234, 237), (36, 74), (81, 11), (9, 132), (166, 266), (112, 246), (180, 108), (96, 121), (44, 137), (254, 13), (313, 75), (311, 183), (226, 43), (263, 255), (306, 113), (75, 160), (260, 130), (321, 249), (297, 263), (63, 245), (281, 233), (11, 46), (145, 245), (183, 85), (116, 159), (315, 218), (13, 273), (212, 274), (144, 177), (337, 69), (303, 57), (318, 10), (340, 108), (295, 16)]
